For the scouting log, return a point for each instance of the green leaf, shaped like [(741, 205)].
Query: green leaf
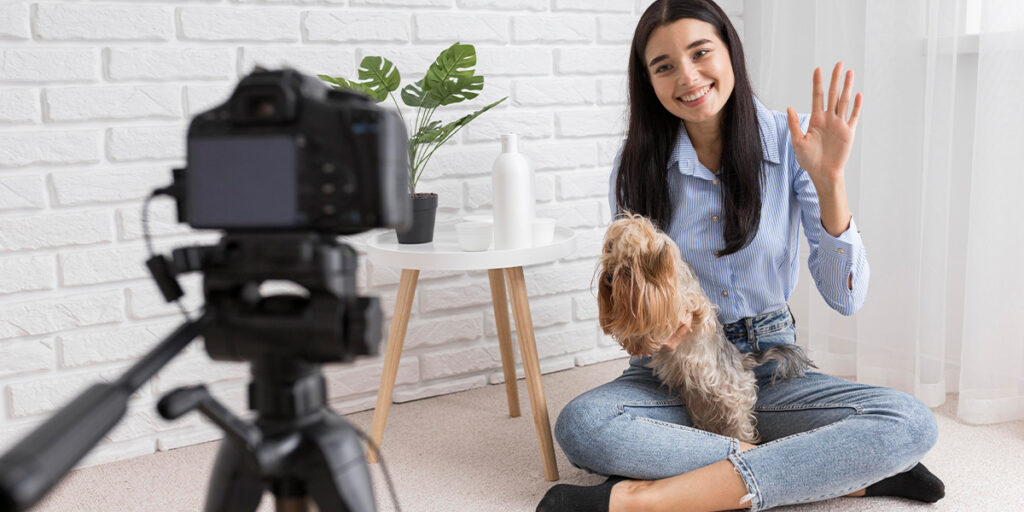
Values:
[(427, 134), (450, 79), (331, 80), (451, 127), (341, 83), (380, 75), (413, 95)]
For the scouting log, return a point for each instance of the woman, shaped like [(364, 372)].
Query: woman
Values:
[(730, 182)]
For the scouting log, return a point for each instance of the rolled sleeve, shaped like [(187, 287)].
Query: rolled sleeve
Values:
[(837, 259)]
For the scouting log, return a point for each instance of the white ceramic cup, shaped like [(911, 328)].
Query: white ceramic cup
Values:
[(474, 236), (543, 231)]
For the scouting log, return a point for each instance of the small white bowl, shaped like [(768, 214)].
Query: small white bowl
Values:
[(474, 236), (543, 231)]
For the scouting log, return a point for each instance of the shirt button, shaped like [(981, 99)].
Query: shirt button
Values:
[(714, 182), (714, 218), (841, 251), (718, 253), (725, 293)]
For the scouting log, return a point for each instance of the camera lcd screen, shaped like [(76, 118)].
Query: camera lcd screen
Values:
[(241, 182)]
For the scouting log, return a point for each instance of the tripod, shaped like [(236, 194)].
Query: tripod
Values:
[(297, 447)]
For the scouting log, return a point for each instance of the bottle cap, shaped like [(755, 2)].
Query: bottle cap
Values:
[(509, 143)]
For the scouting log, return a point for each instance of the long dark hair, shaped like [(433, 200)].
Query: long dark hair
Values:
[(642, 183)]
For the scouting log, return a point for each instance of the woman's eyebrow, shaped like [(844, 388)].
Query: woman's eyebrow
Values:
[(692, 45)]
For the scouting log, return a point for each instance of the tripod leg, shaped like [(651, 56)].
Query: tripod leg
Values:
[(396, 337), (508, 358), (338, 477), (233, 486)]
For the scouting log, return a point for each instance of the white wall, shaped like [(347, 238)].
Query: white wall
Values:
[(95, 98)]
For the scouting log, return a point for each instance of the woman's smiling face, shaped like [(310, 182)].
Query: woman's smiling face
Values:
[(686, 60)]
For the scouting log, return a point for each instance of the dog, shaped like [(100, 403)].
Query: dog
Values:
[(646, 295)]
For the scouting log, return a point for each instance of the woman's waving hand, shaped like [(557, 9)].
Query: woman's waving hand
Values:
[(825, 148)]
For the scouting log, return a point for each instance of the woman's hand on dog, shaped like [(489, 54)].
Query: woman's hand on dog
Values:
[(681, 332)]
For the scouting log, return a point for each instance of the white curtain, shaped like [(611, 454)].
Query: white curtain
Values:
[(936, 184)]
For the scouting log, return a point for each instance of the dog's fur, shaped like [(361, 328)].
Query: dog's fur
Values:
[(645, 290)]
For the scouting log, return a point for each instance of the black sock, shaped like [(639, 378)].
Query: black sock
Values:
[(917, 484), (578, 498)]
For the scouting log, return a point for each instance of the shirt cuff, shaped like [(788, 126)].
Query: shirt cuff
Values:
[(843, 246)]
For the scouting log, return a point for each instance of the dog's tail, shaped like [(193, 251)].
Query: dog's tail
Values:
[(790, 361)]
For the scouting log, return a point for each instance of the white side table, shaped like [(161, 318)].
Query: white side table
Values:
[(444, 254)]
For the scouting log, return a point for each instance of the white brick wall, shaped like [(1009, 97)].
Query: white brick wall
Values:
[(95, 100)]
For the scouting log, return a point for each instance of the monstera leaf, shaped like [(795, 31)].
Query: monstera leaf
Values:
[(450, 79), (413, 95), (378, 77), (341, 83)]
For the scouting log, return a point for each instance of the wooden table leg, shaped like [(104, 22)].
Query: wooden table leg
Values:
[(396, 338), (508, 358), (531, 366)]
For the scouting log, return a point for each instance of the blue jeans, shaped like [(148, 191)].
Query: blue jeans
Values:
[(822, 436)]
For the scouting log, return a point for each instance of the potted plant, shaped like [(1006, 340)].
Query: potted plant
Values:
[(450, 79)]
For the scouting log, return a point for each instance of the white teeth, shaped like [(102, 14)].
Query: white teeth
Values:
[(700, 93)]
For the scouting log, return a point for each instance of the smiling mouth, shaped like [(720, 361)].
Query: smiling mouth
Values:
[(696, 96)]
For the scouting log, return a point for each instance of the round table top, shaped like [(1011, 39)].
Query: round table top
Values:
[(444, 252)]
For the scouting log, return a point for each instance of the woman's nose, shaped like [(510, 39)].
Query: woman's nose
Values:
[(689, 75)]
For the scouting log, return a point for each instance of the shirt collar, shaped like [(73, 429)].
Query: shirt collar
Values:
[(686, 156)]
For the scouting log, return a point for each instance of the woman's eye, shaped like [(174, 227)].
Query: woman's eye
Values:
[(701, 53), (661, 68)]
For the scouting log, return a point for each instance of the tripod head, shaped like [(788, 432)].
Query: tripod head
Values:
[(327, 324)]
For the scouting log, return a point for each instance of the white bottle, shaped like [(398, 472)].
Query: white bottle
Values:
[(512, 185)]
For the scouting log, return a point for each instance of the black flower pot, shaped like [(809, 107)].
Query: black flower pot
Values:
[(424, 210)]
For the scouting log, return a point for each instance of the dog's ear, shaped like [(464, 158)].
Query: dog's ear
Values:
[(619, 300), (622, 312), (658, 263)]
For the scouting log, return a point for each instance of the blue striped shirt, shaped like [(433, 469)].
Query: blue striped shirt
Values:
[(760, 277)]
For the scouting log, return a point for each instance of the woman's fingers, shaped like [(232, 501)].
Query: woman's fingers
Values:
[(817, 94), (794, 125), (844, 99), (833, 86), (856, 111)]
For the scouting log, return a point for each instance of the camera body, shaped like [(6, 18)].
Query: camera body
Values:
[(286, 152)]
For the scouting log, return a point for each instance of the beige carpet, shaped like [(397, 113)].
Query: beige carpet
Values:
[(461, 452)]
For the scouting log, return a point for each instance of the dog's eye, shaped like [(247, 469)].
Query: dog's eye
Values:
[(608, 277)]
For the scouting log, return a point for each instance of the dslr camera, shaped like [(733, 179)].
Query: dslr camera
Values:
[(288, 153)]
